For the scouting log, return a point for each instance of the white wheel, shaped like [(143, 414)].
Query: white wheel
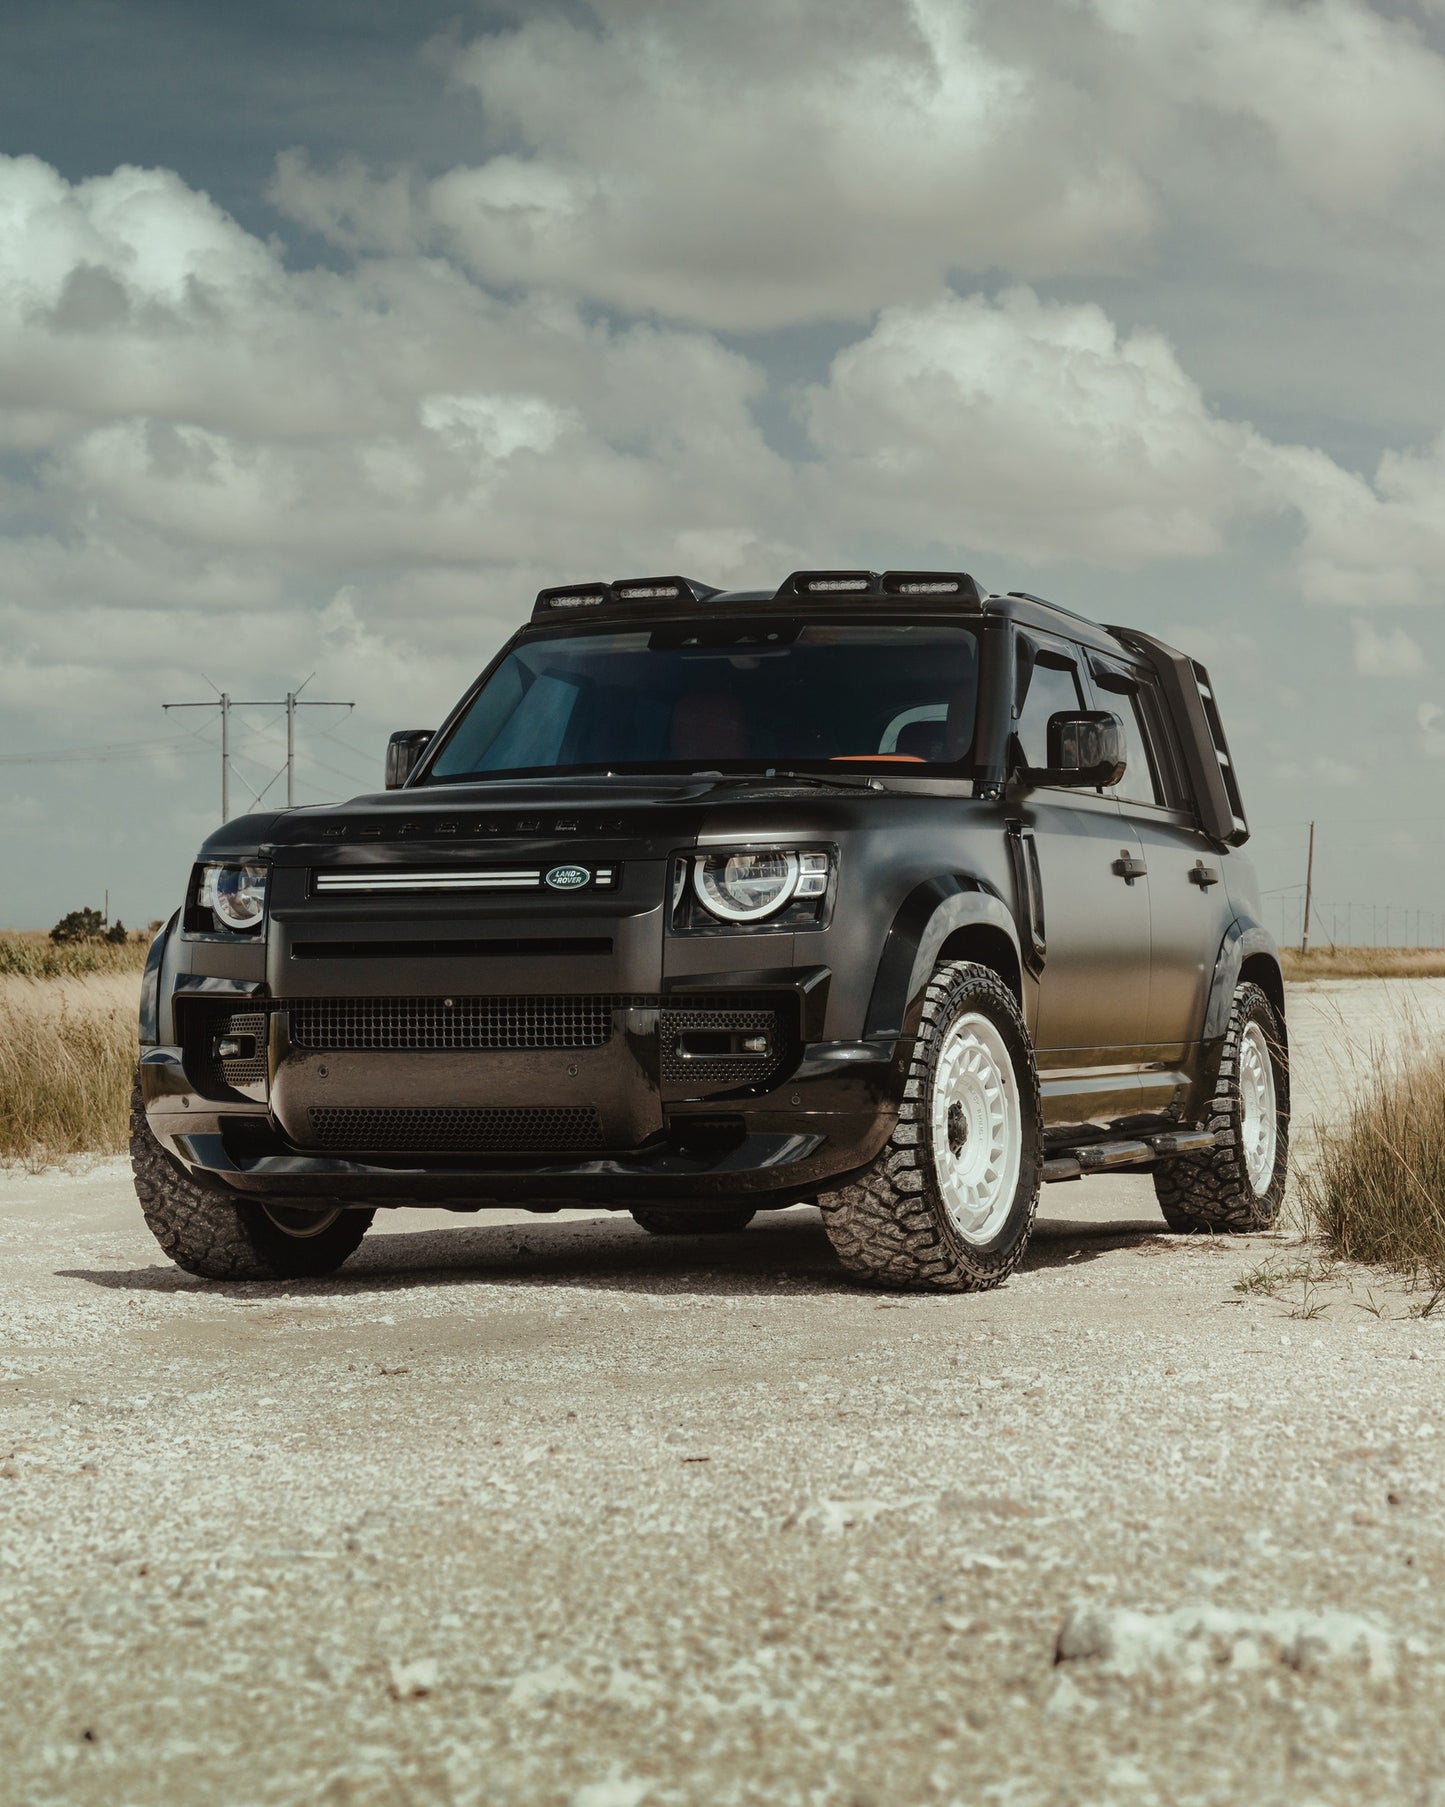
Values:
[(948, 1202), (1259, 1129), (977, 1128), (1237, 1186)]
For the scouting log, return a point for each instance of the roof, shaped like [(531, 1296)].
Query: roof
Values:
[(930, 592)]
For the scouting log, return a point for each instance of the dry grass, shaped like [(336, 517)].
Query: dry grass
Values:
[(67, 1053), (1364, 963), (31, 954), (1376, 1191)]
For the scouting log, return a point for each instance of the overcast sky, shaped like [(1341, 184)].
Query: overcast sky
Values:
[(325, 344)]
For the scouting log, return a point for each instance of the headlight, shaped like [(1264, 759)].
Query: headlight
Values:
[(235, 895), (745, 887)]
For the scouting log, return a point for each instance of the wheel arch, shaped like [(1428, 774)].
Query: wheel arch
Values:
[(949, 917), (1247, 953), (151, 1001)]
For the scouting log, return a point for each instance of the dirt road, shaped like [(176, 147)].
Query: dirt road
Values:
[(548, 1511)]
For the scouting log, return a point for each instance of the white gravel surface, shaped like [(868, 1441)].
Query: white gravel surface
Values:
[(545, 1510)]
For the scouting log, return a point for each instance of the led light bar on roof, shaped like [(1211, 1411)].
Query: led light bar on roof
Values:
[(623, 590), (828, 583), (892, 583), (934, 583), (588, 596)]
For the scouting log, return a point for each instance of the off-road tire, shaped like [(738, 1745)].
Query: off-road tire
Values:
[(210, 1231), (668, 1220), (889, 1225), (1211, 1192)]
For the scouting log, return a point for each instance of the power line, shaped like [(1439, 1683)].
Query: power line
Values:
[(289, 704)]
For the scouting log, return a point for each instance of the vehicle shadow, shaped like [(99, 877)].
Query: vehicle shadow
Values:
[(784, 1252)]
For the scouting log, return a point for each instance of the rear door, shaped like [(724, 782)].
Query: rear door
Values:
[(1188, 901), (1093, 990)]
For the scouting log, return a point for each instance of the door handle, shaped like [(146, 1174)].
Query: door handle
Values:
[(1129, 866), (1202, 875)]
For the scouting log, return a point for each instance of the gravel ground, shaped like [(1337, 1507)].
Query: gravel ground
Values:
[(545, 1510)]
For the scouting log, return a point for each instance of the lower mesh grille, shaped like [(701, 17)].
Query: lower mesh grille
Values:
[(714, 1072), (559, 1129), (206, 1028), (548, 1022)]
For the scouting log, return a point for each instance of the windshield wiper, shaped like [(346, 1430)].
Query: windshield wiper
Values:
[(836, 780)]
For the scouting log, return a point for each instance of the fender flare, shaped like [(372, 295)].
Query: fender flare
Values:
[(930, 913), (150, 985), (1242, 938)]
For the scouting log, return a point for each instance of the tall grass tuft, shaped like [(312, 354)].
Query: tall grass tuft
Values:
[(1376, 1190), (67, 1053), (28, 954)]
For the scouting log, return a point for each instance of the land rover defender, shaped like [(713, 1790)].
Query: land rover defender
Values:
[(873, 891)]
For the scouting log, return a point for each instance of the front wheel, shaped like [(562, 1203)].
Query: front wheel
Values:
[(948, 1206), (209, 1231), (1238, 1185)]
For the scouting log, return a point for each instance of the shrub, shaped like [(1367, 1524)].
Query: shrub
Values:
[(1377, 1190), (79, 925)]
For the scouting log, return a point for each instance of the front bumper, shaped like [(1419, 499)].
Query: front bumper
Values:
[(620, 1119)]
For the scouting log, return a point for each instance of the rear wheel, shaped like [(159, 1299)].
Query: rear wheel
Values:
[(1238, 1185), (668, 1220), (949, 1204), (209, 1231)]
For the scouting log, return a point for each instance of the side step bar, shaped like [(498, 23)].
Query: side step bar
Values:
[(1101, 1157)]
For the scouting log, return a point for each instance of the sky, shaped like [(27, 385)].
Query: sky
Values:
[(331, 331)]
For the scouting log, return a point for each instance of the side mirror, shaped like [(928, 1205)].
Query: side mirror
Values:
[(403, 754), (1086, 749)]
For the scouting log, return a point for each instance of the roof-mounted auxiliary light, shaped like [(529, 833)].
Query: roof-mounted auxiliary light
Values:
[(935, 583), (892, 583), (621, 590), (571, 596), (827, 583)]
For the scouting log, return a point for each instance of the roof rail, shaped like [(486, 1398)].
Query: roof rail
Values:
[(890, 583), (605, 593)]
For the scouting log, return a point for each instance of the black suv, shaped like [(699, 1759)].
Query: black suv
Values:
[(873, 891)]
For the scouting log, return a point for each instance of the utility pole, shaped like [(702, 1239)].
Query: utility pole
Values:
[(225, 703), (1304, 940)]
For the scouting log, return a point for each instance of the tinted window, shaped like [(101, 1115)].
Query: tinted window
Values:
[(1140, 783), (1052, 690), (723, 695)]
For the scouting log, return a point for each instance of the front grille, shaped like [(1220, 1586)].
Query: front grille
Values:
[(710, 1073), (560, 1129), (206, 1027), (561, 1022)]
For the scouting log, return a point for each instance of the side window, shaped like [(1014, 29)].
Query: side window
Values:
[(1053, 688), (1147, 779)]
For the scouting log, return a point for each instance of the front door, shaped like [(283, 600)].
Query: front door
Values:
[(1092, 1004)]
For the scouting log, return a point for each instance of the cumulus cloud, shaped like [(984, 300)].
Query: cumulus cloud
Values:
[(1350, 100), (1391, 653), (757, 165), (1036, 431), (753, 165)]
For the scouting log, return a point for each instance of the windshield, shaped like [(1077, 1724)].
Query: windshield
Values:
[(724, 696)]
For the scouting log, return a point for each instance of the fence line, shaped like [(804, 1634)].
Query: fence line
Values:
[(1351, 924)]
